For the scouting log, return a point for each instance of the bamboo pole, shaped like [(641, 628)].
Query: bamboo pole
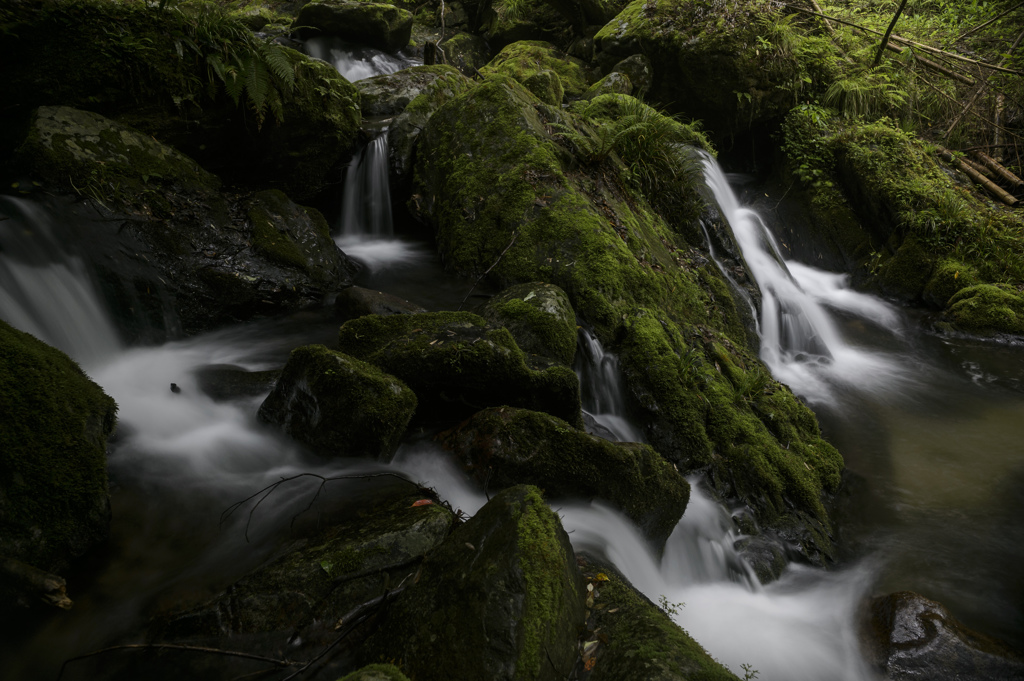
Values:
[(994, 189), (817, 8), (933, 65), (888, 32), (998, 168), (980, 169)]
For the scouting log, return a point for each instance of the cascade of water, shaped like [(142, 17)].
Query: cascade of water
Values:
[(355, 62), (366, 200), (46, 291), (601, 391), (800, 342)]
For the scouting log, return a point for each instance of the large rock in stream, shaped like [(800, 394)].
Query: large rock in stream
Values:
[(169, 242), (501, 599), (456, 364), (510, 190), (377, 24), (502, 446), (338, 405), (54, 505)]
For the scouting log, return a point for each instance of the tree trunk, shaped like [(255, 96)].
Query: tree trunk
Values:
[(888, 32)]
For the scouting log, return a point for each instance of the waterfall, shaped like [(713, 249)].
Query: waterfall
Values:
[(800, 342), (355, 62), (46, 291), (366, 199), (604, 408)]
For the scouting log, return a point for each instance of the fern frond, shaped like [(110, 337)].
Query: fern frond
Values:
[(276, 59), (257, 86)]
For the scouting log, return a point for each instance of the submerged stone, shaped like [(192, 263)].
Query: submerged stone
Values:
[(356, 301), (502, 446), (456, 363), (338, 405), (500, 599), (54, 504), (224, 382)]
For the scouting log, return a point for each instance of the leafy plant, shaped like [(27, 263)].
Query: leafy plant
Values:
[(868, 93)]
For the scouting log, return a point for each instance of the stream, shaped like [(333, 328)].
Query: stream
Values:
[(930, 428)]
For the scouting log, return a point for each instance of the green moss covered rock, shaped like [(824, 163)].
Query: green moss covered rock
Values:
[(54, 505), (376, 672), (503, 446), (289, 121), (629, 638), (456, 362), (294, 600), (338, 405), (614, 83), (717, 62), (542, 68), (986, 309), (467, 52), (539, 317), (500, 599), (530, 20), (377, 24)]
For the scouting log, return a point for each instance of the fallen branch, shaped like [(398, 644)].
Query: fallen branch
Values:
[(36, 583), (174, 646), (979, 91), (992, 187), (972, 112), (817, 8)]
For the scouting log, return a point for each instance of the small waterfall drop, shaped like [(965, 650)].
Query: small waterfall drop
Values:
[(604, 408), (800, 342), (366, 199), (355, 62), (44, 290)]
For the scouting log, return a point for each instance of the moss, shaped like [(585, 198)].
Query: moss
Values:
[(503, 446), (339, 405), (272, 237), (455, 362), (637, 641), (987, 309), (539, 317), (527, 60), (53, 470), (949, 277), (376, 672)]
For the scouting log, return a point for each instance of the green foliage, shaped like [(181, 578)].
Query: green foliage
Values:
[(868, 94), (235, 59)]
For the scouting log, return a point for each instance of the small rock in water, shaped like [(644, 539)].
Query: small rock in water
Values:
[(175, 388)]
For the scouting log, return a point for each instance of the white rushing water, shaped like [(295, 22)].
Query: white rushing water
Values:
[(601, 390), (355, 62), (800, 341)]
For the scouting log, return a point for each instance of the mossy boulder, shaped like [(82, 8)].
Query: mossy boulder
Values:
[(710, 61), (170, 243), (542, 68), (54, 504), (500, 599), (467, 52), (539, 317), (907, 637), (297, 120), (356, 301), (389, 94), (289, 605), (614, 83), (338, 405), (532, 20), (502, 446), (506, 197), (905, 224), (629, 638), (443, 85), (456, 363), (987, 309), (380, 25)]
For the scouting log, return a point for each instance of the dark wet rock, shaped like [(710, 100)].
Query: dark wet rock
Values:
[(457, 364), (377, 672), (614, 83), (536, 20), (356, 301), (224, 382), (169, 238), (500, 599), (338, 405), (380, 25), (290, 606), (629, 638), (538, 316), (142, 76), (54, 504), (502, 446), (909, 637), (768, 558), (638, 69)]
